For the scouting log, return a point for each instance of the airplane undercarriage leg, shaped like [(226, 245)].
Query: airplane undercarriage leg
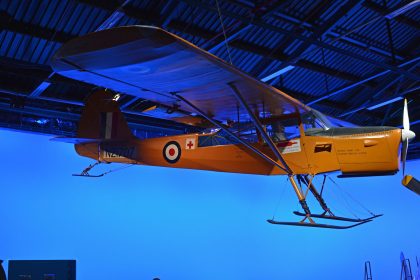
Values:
[(326, 215), (316, 194), (85, 172), (302, 200)]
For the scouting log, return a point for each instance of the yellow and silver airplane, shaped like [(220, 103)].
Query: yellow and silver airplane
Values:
[(290, 138)]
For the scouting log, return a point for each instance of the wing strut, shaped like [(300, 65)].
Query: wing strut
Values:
[(231, 134), (260, 128), (273, 147)]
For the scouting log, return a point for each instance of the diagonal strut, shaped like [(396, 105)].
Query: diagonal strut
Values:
[(231, 134), (260, 128)]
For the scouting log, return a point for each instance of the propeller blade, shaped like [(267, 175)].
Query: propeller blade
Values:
[(406, 119), (404, 149)]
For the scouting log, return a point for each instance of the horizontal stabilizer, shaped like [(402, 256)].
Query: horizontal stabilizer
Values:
[(75, 140), (411, 183)]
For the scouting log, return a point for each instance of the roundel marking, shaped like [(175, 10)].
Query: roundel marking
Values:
[(172, 152)]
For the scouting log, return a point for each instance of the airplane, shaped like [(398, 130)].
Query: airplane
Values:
[(254, 128)]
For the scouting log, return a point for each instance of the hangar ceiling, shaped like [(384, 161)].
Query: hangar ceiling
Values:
[(354, 60)]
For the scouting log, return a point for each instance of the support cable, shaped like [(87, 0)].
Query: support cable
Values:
[(224, 31), (279, 201), (351, 197)]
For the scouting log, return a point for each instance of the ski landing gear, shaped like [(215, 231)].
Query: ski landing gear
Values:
[(85, 172), (308, 220)]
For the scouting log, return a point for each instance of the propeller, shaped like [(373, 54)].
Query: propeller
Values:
[(406, 135)]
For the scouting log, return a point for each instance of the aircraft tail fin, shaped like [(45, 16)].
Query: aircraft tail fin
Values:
[(102, 119)]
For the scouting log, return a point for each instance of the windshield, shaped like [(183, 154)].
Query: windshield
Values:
[(314, 119)]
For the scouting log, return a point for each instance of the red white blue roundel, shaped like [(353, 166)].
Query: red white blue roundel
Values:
[(172, 152)]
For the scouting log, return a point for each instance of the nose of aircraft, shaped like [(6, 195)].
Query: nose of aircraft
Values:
[(407, 134)]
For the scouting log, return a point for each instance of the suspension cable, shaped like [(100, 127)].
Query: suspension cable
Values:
[(224, 32), (280, 199), (351, 197)]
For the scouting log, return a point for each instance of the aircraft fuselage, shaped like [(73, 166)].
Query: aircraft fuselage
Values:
[(365, 151)]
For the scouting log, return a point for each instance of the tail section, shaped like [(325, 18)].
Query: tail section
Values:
[(103, 132), (102, 119)]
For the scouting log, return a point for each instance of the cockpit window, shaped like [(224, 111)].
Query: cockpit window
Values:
[(279, 128), (283, 129), (315, 121), (216, 137)]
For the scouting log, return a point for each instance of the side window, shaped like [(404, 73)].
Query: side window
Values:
[(282, 130)]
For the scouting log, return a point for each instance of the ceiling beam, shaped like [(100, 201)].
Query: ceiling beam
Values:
[(350, 86), (320, 44), (152, 18), (319, 33), (213, 46), (168, 12), (145, 16), (109, 22), (36, 72), (236, 30), (43, 105), (332, 72), (378, 98), (306, 64), (303, 97), (192, 29), (331, 106), (41, 32), (390, 100), (9, 23), (381, 92), (113, 19), (349, 40), (384, 11), (340, 34), (367, 103)]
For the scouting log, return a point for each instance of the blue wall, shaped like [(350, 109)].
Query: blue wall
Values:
[(145, 222)]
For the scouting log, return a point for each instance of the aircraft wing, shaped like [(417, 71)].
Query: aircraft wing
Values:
[(151, 63)]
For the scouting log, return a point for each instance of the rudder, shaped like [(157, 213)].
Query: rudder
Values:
[(102, 119)]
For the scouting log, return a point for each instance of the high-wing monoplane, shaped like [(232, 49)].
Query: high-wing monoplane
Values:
[(256, 128)]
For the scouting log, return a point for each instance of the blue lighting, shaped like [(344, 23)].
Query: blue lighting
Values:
[(278, 73), (402, 9), (40, 89), (384, 103), (144, 222)]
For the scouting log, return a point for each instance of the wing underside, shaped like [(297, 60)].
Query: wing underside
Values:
[(151, 63)]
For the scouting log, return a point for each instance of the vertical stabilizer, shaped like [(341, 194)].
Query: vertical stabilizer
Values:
[(102, 119), (103, 132)]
